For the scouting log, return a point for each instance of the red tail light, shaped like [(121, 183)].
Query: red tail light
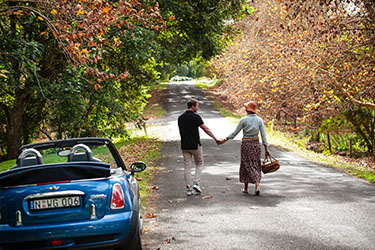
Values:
[(117, 199), (57, 243)]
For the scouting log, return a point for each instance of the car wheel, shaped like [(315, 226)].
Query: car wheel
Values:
[(135, 243)]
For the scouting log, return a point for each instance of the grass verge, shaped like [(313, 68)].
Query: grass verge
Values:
[(144, 149), (291, 143), (5, 165), (205, 83)]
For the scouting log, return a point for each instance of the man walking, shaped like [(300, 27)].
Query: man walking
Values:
[(188, 124)]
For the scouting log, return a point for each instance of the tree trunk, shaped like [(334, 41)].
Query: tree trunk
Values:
[(317, 136), (329, 142), (14, 128)]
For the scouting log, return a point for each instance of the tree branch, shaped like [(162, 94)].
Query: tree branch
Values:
[(359, 103)]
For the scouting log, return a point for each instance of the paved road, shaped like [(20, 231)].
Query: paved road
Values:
[(302, 206)]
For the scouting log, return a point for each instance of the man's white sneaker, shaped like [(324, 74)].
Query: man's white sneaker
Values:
[(189, 192), (197, 188)]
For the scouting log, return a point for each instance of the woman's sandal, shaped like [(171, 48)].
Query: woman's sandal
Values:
[(245, 191)]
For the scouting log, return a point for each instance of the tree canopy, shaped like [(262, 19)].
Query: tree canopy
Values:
[(311, 60), (82, 68)]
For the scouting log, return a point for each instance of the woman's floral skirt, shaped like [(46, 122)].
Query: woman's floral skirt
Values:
[(250, 169)]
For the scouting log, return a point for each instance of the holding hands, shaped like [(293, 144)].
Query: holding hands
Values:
[(222, 141)]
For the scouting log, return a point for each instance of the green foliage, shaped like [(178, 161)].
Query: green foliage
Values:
[(363, 121), (197, 27), (197, 68), (27, 65), (341, 142), (247, 10), (182, 70), (194, 69), (340, 132), (334, 124), (50, 92)]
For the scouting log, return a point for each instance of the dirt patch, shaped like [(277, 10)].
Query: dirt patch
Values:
[(155, 104)]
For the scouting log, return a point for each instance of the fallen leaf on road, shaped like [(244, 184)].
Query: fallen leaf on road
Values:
[(254, 207), (228, 178), (155, 188), (169, 240), (207, 197), (151, 215), (139, 179)]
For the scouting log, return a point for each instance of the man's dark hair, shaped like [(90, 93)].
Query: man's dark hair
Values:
[(192, 102)]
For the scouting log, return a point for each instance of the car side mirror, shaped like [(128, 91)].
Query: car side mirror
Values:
[(137, 166)]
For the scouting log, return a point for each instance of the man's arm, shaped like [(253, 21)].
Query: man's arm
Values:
[(208, 131)]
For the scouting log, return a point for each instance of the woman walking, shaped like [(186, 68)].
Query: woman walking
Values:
[(250, 168)]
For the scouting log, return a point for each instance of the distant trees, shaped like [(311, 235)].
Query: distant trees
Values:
[(193, 69), (308, 60)]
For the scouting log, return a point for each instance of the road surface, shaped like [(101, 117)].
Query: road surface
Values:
[(302, 206)]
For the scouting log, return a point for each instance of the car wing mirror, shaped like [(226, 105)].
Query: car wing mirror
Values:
[(137, 166)]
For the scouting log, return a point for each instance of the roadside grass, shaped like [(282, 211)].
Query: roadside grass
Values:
[(205, 83), (141, 148), (5, 165), (234, 118), (296, 144), (291, 143)]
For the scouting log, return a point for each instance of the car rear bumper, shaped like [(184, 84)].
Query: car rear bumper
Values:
[(111, 230)]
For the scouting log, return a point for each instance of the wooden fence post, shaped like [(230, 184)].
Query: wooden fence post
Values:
[(350, 148)]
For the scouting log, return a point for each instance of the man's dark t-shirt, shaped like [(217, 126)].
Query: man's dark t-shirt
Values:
[(189, 123)]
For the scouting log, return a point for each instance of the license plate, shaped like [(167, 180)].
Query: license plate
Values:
[(60, 202)]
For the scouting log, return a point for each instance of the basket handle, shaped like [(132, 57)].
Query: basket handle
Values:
[(269, 158)]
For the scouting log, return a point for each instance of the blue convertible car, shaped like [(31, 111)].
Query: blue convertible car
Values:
[(70, 194)]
